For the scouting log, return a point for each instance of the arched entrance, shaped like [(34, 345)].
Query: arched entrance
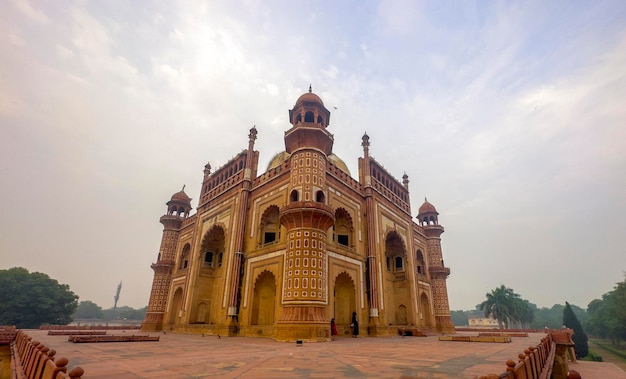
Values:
[(396, 284), (175, 308), (264, 300), (401, 318), (425, 310), (201, 313), (344, 299)]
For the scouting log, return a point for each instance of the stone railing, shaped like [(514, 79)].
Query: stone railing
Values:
[(271, 174), (31, 359), (544, 361), (344, 177), (386, 192)]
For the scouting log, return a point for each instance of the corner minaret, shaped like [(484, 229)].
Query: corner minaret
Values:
[(372, 267), (178, 209), (429, 221), (307, 218), (237, 272)]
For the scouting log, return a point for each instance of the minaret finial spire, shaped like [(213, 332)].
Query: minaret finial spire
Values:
[(183, 187), (310, 90)]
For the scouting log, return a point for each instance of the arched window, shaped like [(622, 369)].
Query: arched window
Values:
[(395, 251), (184, 257), (270, 225), (421, 264), (309, 117), (298, 118), (213, 244), (293, 196), (319, 196), (319, 120), (342, 229)]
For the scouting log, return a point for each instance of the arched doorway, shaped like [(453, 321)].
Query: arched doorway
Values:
[(264, 300), (396, 285), (201, 313), (344, 299), (401, 318), (425, 310), (175, 308)]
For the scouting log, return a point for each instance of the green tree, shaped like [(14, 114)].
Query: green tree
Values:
[(570, 320), (499, 305), (87, 310), (28, 300), (607, 317), (523, 314), (507, 307), (125, 313), (550, 317), (459, 318)]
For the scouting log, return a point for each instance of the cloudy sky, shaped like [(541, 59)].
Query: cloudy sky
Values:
[(509, 116)]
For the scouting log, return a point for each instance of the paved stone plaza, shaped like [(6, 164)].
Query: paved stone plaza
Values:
[(195, 356)]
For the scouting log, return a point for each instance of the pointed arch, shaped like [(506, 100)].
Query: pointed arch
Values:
[(201, 313), (264, 299), (401, 315), (294, 196), (213, 246), (320, 197), (309, 117), (183, 261), (425, 310), (343, 228), (344, 299), (175, 304), (270, 225), (421, 263), (395, 251)]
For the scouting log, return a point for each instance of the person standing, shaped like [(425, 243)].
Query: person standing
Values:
[(333, 330), (355, 325)]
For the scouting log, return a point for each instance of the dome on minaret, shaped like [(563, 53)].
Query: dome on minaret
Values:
[(309, 97), (179, 204), (309, 110), (309, 118), (427, 208), (428, 214), (181, 196)]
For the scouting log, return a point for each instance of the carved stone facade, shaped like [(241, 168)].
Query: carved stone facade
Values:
[(281, 253)]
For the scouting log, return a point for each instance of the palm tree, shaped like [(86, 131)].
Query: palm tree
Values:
[(507, 307), (504, 305), (499, 304)]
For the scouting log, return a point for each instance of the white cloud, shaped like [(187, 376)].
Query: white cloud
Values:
[(25, 7)]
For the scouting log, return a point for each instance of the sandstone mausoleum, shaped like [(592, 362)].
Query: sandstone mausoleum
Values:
[(278, 252)]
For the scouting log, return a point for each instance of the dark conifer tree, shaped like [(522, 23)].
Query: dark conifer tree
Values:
[(580, 337)]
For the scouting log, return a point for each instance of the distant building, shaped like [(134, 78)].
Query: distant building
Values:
[(483, 322), (281, 253)]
